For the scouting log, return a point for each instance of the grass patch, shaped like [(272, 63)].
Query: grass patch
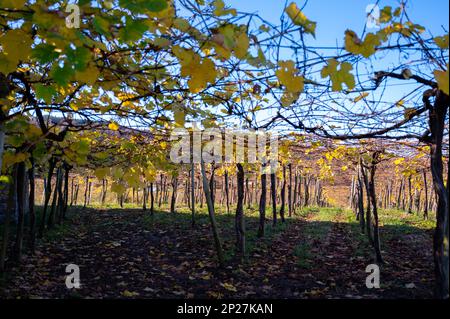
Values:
[(58, 232), (303, 254), (182, 219), (318, 225)]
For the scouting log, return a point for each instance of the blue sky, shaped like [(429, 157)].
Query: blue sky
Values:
[(334, 17)]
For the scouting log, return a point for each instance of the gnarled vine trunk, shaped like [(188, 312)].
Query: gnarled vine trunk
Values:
[(262, 205), (273, 193), (212, 216), (437, 114), (283, 195), (239, 218)]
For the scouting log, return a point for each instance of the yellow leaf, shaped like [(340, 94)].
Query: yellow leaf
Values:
[(242, 45), (298, 18), (132, 178), (287, 76), (442, 42), (178, 114), (118, 188), (10, 159), (229, 287), (117, 172), (398, 11), (150, 175), (128, 293), (338, 77), (88, 76), (214, 294), (220, 10), (181, 24), (386, 14), (16, 46), (366, 48), (360, 97), (442, 78), (201, 72), (113, 126), (222, 52), (162, 42), (206, 277), (12, 4), (101, 172), (289, 98)]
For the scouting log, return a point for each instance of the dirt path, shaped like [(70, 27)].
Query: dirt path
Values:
[(345, 254), (342, 271)]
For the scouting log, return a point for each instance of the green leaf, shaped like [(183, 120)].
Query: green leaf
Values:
[(140, 6), (45, 53), (156, 5), (133, 30), (16, 140), (132, 5), (78, 57), (45, 92), (62, 75), (81, 147), (40, 151), (101, 25)]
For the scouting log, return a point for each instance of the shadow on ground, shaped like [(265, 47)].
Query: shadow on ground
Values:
[(127, 253)]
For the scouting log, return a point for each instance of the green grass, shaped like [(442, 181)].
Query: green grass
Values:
[(400, 218), (393, 223), (115, 205), (303, 254), (58, 231), (320, 221), (361, 245), (225, 223)]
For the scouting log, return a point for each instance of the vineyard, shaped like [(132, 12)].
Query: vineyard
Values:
[(194, 149)]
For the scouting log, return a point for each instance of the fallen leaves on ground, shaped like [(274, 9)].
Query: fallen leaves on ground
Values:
[(121, 256)]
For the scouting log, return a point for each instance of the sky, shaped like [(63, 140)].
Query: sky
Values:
[(334, 17)]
